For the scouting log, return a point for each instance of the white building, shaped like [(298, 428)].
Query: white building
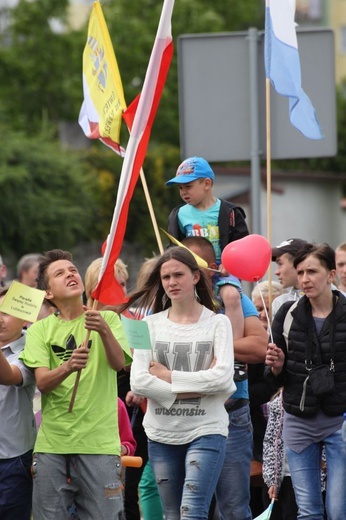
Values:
[(307, 205)]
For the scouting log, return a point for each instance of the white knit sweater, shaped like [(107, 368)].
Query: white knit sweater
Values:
[(187, 350)]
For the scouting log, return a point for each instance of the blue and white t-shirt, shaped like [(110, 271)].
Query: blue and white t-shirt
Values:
[(194, 222)]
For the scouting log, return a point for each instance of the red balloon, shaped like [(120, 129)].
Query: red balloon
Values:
[(247, 258)]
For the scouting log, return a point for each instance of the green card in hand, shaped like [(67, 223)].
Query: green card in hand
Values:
[(137, 333)]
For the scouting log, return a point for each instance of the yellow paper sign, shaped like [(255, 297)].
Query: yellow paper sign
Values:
[(199, 260), (22, 301)]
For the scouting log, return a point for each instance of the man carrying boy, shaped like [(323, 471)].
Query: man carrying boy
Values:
[(17, 423), (77, 455), (220, 221)]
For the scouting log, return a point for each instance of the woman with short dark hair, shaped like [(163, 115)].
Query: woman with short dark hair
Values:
[(312, 369)]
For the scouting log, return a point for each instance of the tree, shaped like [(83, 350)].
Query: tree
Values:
[(47, 196), (42, 67), (160, 161), (50, 196)]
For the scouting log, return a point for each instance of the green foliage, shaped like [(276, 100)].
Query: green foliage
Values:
[(42, 68), (53, 198), (106, 167), (46, 195)]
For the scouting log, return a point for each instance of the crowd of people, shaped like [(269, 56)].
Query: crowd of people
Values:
[(227, 380)]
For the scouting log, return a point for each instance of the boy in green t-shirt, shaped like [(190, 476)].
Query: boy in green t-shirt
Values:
[(76, 455)]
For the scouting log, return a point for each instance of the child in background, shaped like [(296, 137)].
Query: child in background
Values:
[(128, 442), (92, 275), (218, 220), (17, 423)]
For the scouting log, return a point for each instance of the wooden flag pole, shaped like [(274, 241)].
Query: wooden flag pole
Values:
[(151, 210), (269, 190), (159, 243), (76, 383), (150, 207)]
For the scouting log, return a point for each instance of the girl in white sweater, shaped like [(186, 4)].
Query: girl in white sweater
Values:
[(186, 377)]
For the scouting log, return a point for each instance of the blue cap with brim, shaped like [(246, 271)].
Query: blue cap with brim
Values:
[(190, 170)]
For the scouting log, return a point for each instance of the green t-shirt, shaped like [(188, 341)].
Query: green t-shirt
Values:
[(92, 427)]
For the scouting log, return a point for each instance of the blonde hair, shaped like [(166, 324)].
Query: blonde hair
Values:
[(120, 270), (91, 279), (263, 287), (341, 247), (145, 270), (92, 276)]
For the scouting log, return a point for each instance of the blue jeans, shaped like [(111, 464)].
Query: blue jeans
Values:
[(187, 474), (305, 469), (233, 488), (16, 487)]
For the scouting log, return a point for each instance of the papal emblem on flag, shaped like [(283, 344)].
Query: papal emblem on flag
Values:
[(104, 102)]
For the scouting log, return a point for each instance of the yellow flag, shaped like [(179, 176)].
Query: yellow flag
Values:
[(104, 102)]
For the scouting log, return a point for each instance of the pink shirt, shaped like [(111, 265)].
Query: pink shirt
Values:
[(125, 431)]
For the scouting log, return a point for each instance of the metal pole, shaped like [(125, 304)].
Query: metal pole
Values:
[(254, 122)]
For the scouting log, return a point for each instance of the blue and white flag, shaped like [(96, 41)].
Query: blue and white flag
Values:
[(282, 65)]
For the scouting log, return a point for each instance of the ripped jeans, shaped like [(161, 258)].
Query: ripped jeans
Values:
[(90, 483), (187, 475)]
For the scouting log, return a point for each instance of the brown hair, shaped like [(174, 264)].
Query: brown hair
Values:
[(323, 252), (26, 262), (208, 252), (149, 295), (48, 258)]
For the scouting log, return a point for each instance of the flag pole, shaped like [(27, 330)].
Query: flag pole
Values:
[(151, 210), (269, 190), (141, 115), (150, 207), (76, 383)]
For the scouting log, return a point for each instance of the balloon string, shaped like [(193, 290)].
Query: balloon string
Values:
[(266, 313)]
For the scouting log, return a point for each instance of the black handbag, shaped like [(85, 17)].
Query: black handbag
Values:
[(320, 377), (321, 380)]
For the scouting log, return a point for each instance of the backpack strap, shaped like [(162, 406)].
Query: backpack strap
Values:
[(288, 322)]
